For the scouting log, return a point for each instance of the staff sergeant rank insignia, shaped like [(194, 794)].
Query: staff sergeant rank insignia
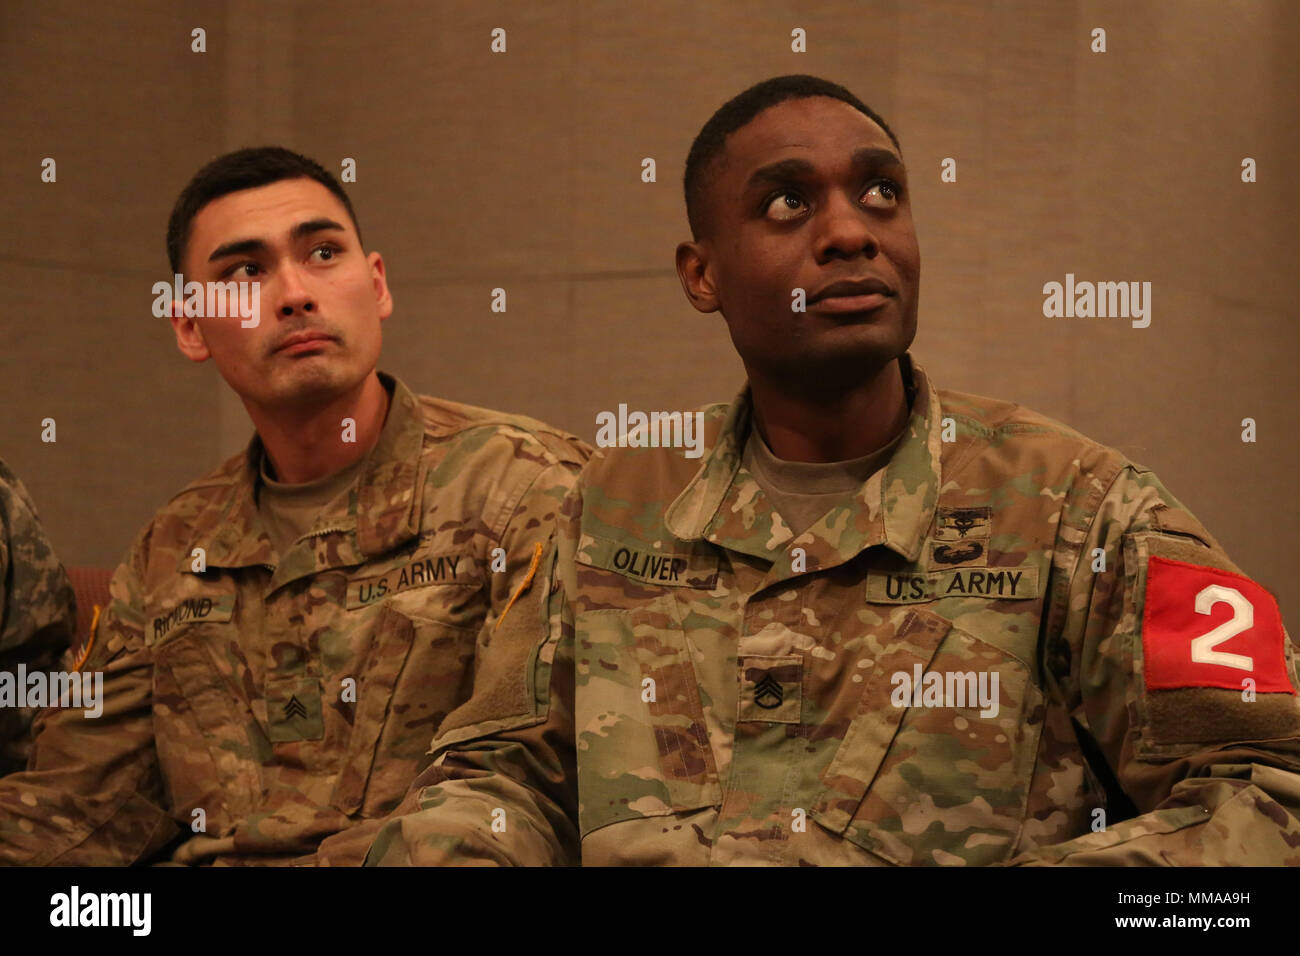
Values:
[(768, 693)]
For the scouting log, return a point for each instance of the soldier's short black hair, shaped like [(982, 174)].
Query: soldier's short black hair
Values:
[(738, 112), (242, 169)]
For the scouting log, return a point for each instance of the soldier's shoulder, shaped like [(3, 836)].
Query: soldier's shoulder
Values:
[(1012, 430), (636, 467), (528, 438), (992, 416), (196, 508), (9, 482), (212, 489), (14, 498)]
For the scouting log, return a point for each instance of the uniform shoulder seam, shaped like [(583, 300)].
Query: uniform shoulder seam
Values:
[(1016, 418), (224, 475), (444, 418)]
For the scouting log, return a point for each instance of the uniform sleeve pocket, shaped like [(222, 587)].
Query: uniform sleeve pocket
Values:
[(1212, 663), (642, 740)]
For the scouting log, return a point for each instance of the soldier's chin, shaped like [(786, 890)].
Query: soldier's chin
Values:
[(310, 382)]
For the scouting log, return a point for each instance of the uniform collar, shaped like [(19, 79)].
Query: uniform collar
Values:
[(723, 503), (386, 512)]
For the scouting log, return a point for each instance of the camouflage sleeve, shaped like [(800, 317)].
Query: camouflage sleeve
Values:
[(501, 786), (92, 794), (37, 611), (1185, 678)]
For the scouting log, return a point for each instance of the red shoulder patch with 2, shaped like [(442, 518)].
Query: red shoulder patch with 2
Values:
[(1202, 627)]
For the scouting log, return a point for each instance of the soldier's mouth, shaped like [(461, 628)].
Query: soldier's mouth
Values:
[(298, 344), (838, 304)]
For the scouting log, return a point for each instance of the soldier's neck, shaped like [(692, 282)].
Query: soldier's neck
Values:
[(833, 426), (307, 443)]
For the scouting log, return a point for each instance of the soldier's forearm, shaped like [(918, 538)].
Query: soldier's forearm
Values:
[(1206, 821), (477, 817)]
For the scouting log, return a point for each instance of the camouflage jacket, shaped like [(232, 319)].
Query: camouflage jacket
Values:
[(1011, 642), (275, 711), (1011, 645), (37, 610)]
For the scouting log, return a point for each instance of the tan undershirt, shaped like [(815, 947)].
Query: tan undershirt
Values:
[(803, 491), (289, 511)]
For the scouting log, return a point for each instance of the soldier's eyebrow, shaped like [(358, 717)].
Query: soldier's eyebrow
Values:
[(875, 157), (779, 173), (240, 247), (313, 225), (786, 170)]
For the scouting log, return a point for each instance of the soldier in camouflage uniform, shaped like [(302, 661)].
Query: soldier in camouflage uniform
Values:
[(880, 622), (288, 634), (37, 610)]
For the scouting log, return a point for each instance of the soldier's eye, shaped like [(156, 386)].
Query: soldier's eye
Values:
[(784, 206), (887, 190)]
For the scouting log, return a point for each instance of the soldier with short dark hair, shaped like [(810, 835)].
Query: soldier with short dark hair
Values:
[(881, 622), (290, 632)]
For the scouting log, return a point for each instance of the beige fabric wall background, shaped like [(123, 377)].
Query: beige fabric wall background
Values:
[(522, 170)]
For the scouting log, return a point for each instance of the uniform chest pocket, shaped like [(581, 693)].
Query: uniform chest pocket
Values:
[(414, 673), (935, 765), (643, 746)]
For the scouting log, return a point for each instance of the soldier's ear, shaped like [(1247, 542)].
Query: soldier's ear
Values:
[(189, 337), (696, 275), (379, 277)]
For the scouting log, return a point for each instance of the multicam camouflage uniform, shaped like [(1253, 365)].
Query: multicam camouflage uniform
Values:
[(293, 700), (738, 689), (37, 609)]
